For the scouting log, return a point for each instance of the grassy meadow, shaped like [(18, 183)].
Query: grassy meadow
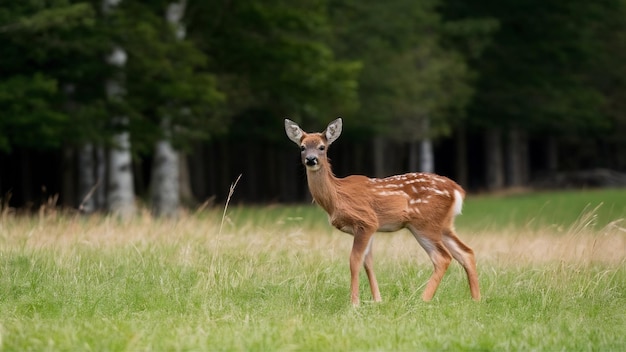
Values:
[(552, 268)]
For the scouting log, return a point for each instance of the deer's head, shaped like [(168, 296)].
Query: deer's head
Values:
[(313, 146)]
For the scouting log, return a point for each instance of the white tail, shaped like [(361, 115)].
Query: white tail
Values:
[(458, 202), (423, 203)]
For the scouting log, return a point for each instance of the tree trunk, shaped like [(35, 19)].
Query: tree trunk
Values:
[(101, 177), (26, 180), (225, 162), (493, 160), (552, 154), (517, 159), (197, 162), (380, 167), (165, 180), (250, 175), (68, 179), (120, 188), (68, 165), (184, 180), (461, 156), (91, 178), (427, 156), (121, 191), (86, 179), (356, 159), (165, 185), (414, 156), (165, 176), (289, 176)]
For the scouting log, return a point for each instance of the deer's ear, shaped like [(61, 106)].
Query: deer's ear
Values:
[(294, 132), (333, 130)]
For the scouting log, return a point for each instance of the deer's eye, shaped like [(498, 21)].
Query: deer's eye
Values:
[(321, 147), (302, 147)]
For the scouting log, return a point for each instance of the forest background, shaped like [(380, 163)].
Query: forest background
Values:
[(108, 104)]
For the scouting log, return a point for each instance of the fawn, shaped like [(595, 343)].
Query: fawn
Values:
[(425, 204)]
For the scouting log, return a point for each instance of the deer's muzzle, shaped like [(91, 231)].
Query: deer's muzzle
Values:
[(310, 161)]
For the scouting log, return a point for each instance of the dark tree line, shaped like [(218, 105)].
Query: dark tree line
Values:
[(109, 103)]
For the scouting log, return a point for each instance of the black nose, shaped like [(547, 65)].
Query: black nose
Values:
[(311, 160)]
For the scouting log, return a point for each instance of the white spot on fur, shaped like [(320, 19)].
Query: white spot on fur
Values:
[(416, 180), (435, 191), (390, 185), (393, 193)]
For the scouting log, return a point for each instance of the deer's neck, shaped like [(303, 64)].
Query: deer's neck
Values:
[(323, 187)]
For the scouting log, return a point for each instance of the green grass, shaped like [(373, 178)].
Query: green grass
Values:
[(538, 210), (277, 278), (532, 210)]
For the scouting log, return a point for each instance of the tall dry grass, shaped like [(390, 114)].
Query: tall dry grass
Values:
[(213, 229)]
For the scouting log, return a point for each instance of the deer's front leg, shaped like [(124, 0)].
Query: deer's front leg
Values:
[(359, 247)]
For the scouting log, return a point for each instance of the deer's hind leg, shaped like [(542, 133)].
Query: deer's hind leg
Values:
[(465, 256), (439, 255), (368, 263)]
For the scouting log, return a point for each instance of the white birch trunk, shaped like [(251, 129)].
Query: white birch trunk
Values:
[(165, 193), (121, 190), (165, 187), (427, 156), (120, 187), (174, 14)]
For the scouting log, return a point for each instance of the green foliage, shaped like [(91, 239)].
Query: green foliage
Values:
[(64, 44), (536, 71), (63, 16), (609, 61), (274, 56), (548, 67), (166, 79), (29, 119), (412, 72)]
